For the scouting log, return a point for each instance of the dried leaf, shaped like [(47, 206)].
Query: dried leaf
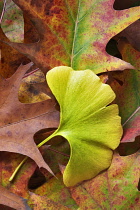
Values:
[(8, 163), (75, 34), (14, 201), (33, 88), (19, 122)]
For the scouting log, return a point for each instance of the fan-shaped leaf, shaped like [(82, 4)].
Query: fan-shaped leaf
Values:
[(91, 127)]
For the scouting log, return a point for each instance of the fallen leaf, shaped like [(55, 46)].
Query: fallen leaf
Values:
[(132, 33), (33, 88), (132, 99), (40, 202), (115, 188), (19, 122), (75, 33), (86, 121), (13, 22), (128, 95), (14, 201), (9, 64), (55, 190), (8, 163)]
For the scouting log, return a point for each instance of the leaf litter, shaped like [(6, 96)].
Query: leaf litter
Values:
[(56, 56)]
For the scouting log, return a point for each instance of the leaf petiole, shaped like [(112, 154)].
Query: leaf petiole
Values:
[(17, 169), (24, 160)]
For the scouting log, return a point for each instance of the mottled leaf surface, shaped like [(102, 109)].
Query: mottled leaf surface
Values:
[(114, 189), (42, 202), (13, 22), (8, 163), (86, 121), (9, 64), (75, 33), (33, 88)]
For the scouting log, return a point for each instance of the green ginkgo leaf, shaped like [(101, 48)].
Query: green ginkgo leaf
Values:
[(92, 128)]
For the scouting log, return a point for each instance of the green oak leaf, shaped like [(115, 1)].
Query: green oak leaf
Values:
[(92, 128)]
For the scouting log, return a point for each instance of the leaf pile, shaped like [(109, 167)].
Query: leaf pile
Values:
[(71, 109)]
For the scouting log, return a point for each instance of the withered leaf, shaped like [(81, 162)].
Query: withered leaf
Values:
[(75, 33), (12, 200), (19, 122)]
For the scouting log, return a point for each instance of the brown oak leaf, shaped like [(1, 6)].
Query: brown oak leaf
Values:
[(19, 122)]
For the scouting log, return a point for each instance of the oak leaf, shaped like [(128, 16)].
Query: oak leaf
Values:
[(75, 33), (19, 122), (14, 201)]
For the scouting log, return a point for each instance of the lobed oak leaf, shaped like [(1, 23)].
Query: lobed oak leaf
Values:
[(19, 122), (75, 33), (86, 121)]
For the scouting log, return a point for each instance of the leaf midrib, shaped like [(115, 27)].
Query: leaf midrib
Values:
[(74, 37)]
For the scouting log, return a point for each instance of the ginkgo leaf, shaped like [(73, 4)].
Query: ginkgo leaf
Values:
[(91, 127), (75, 33)]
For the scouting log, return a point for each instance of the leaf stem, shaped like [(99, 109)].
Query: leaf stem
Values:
[(17, 169), (30, 73), (24, 160), (44, 141)]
